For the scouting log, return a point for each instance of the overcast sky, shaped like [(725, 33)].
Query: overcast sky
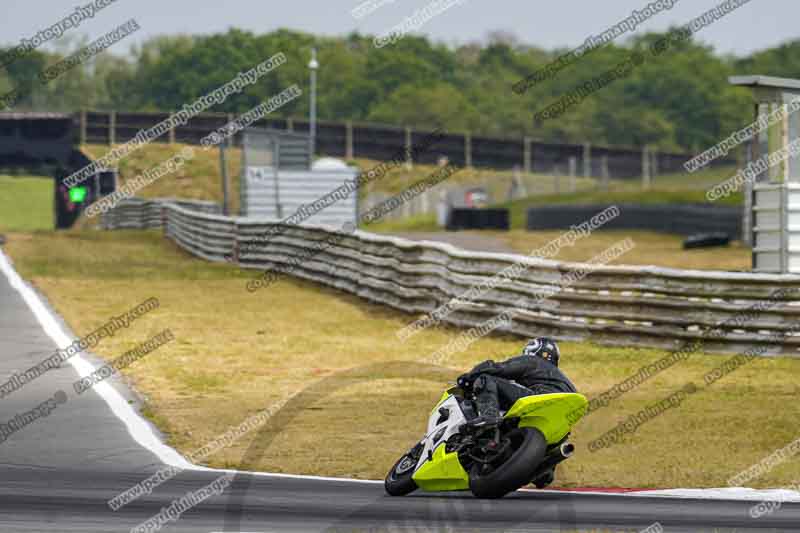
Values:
[(757, 25)]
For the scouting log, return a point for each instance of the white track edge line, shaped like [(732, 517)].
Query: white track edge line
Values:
[(141, 430), (137, 427)]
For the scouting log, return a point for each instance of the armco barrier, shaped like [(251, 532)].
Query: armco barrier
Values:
[(681, 219), (619, 305), (137, 213)]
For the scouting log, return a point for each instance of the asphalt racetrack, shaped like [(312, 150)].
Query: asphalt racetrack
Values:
[(59, 471), (36, 499)]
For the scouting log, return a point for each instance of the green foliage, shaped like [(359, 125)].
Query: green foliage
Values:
[(678, 101), (428, 107), (782, 61)]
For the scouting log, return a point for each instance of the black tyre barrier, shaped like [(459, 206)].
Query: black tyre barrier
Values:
[(680, 219), (469, 218), (706, 240)]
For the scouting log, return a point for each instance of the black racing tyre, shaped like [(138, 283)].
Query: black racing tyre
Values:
[(400, 484), (706, 240), (515, 472)]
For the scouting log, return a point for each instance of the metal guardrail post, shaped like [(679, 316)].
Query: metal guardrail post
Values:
[(604, 174), (527, 155), (468, 150), (645, 168), (348, 139), (573, 169), (232, 138), (587, 160), (276, 176), (409, 157), (784, 221), (112, 128), (236, 246), (747, 217), (83, 127), (654, 164), (223, 165)]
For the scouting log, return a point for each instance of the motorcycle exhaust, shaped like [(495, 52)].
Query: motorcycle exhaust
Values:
[(557, 455), (566, 450)]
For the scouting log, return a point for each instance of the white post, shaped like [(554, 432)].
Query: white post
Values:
[(313, 65), (573, 168), (112, 128), (348, 149), (442, 209), (425, 201)]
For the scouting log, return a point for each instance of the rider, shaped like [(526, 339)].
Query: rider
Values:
[(499, 385), (496, 385)]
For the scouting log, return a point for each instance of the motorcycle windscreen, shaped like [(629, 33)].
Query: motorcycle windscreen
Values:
[(552, 414)]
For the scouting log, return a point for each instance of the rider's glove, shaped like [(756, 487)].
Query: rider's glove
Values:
[(465, 380)]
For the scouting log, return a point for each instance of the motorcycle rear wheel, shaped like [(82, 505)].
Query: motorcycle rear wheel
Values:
[(495, 481)]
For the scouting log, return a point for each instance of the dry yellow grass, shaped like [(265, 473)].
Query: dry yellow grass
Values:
[(365, 396), (200, 178)]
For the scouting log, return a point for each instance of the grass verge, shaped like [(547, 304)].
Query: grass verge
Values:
[(198, 179), (236, 353), (26, 203), (201, 179)]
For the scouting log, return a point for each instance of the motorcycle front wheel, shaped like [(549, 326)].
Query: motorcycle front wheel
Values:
[(398, 481), (528, 447)]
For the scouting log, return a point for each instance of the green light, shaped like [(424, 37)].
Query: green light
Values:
[(77, 195)]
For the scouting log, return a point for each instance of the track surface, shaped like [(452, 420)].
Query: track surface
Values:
[(57, 474), (83, 432), (476, 241), (74, 501)]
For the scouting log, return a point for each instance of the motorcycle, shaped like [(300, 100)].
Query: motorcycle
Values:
[(489, 461)]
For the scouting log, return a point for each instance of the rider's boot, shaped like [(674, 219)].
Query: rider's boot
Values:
[(487, 404), (545, 478)]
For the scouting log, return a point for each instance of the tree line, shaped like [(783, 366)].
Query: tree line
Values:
[(681, 101)]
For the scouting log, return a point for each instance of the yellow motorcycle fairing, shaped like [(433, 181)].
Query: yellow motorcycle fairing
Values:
[(443, 472), (552, 414)]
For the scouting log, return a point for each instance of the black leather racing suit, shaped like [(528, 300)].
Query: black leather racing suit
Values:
[(499, 385)]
